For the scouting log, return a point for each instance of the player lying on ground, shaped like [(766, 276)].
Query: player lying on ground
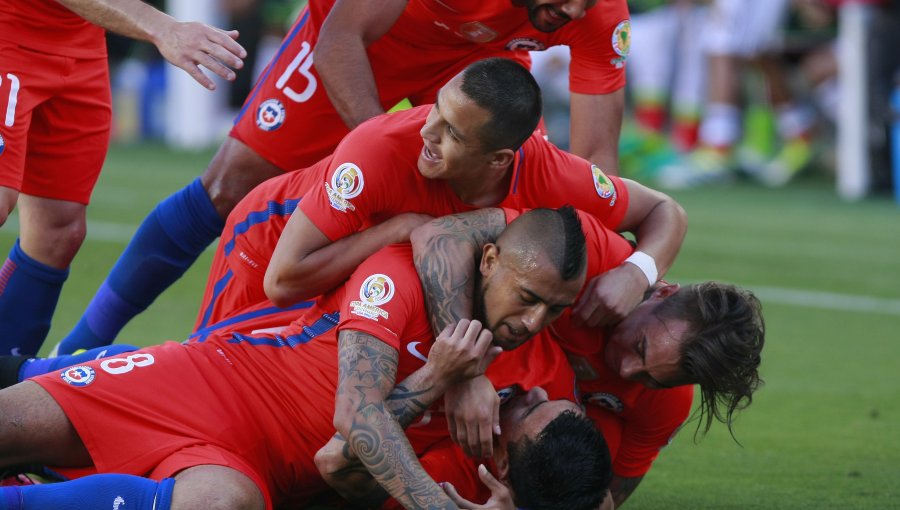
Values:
[(259, 442)]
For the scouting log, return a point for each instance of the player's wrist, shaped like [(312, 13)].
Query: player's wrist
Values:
[(646, 264)]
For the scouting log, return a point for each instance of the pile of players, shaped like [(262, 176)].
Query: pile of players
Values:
[(419, 309)]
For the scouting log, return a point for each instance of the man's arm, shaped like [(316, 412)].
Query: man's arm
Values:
[(184, 44), (454, 354), (445, 252), (595, 123), (622, 487), (305, 263), (659, 224), (341, 60)]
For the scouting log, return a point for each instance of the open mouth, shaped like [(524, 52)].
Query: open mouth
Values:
[(428, 155)]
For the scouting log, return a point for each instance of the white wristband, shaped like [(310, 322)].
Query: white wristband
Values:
[(646, 264)]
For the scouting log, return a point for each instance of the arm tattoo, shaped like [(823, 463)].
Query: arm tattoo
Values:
[(367, 371), (448, 261)]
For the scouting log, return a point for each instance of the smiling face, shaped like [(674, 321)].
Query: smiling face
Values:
[(646, 349), (521, 294), (551, 15), (452, 145)]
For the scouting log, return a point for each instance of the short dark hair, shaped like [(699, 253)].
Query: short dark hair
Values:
[(555, 232), (722, 346), (510, 94), (567, 467)]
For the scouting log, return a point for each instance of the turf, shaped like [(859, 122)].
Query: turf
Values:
[(824, 432)]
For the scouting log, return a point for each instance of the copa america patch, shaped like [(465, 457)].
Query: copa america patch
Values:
[(80, 375), (2, 144), (270, 115)]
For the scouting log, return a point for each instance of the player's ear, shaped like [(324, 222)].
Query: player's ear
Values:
[(490, 259), (501, 159), (501, 461)]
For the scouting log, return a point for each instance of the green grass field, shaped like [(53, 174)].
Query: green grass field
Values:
[(824, 432)]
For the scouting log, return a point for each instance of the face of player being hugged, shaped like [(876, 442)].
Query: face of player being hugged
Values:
[(551, 15), (527, 414), (645, 348), (452, 147), (521, 293)]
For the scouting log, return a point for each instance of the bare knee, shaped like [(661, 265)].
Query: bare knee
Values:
[(51, 231), (233, 172), (215, 488)]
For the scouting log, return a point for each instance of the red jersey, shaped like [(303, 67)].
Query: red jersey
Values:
[(599, 42), (374, 175), (47, 26)]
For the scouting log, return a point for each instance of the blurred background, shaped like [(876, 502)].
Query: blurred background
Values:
[(784, 149)]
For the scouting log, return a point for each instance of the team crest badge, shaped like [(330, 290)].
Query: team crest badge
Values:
[(80, 375), (375, 291), (270, 115), (621, 42), (603, 185), (525, 43), (346, 183), (2, 144), (606, 401)]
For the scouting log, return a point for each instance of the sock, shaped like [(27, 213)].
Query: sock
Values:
[(34, 367), (721, 125), (29, 291), (166, 244), (650, 116), (123, 492)]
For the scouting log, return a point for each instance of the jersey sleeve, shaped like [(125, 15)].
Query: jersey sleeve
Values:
[(383, 295), (354, 186), (599, 45), (649, 427), (547, 176)]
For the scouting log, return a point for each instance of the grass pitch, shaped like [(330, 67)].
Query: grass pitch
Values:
[(824, 432)]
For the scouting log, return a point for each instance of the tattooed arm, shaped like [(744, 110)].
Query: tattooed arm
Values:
[(446, 253), (362, 414)]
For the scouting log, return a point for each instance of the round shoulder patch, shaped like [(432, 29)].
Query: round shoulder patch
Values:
[(605, 400), (270, 115), (525, 43), (80, 375), (347, 180), (377, 290), (621, 38), (602, 183)]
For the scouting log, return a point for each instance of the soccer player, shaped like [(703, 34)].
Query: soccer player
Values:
[(55, 114), (258, 442), (469, 150), (370, 56), (636, 377)]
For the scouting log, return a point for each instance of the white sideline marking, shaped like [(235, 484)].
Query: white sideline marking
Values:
[(828, 300)]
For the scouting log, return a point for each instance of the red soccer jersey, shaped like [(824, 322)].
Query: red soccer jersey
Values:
[(599, 42), (47, 26), (367, 182)]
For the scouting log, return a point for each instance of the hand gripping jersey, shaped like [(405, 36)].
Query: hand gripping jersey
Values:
[(431, 42), (373, 175)]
